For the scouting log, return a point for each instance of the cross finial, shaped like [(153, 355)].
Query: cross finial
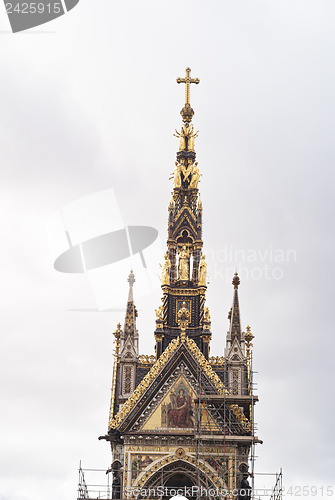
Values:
[(188, 80)]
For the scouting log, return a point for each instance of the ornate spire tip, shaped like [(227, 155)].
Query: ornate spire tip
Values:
[(187, 112), (236, 280), (131, 278)]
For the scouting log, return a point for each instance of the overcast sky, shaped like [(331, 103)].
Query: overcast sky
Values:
[(89, 102)]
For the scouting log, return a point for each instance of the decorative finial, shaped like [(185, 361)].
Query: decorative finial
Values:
[(236, 280), (248, 337), (117, 332), (131, 278), (117, 335), (187, 112)]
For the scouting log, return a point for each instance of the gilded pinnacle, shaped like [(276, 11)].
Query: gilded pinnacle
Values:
[(187, 112), (248, 336), (117, 332), (117, 335)]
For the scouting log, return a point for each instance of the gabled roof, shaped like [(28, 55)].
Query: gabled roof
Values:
[(146, 382), (176, 350), (235, 352), (185, 219)]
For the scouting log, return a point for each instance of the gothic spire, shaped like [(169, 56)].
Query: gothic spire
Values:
[(184, 270), (235, 320), (185, 208), (131, 312)]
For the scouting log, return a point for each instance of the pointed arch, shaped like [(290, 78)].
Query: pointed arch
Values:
[(159, 471)]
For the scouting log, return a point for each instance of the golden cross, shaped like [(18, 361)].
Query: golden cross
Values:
[(188, 80)]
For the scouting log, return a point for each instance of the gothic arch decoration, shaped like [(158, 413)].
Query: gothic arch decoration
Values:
[(185, 225), (185, 237), (116, 465), (183, 462)]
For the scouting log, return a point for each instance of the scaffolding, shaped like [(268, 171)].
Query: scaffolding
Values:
[(96, 488), (277, 492), (216, 409), (211, 411)]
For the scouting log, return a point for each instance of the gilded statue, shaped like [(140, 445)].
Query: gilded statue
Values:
[(176, 176), (202, 271), (182, 138), (186, 169), (183, 265), (207, 316), (191, 136), (166, 270), (195, 176), (186, 138), (159, 313)]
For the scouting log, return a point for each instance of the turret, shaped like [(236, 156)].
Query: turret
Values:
[(234, 317), (128, 355), (235, 347)]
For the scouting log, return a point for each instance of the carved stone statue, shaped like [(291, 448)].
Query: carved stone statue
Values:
[(159, 313), (245, 491), (116, 486), (166, 270), (195, 176), (202, 271), (207, 316), (183, 265)]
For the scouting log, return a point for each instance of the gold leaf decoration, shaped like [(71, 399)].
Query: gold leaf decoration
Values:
[(145, 383)]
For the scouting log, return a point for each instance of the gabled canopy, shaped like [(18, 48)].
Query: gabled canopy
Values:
[(178, 352)]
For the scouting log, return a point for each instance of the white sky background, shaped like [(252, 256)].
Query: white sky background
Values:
[(88, 102)]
